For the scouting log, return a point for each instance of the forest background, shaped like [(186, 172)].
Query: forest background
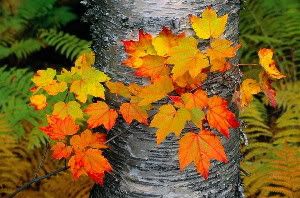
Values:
[(38, 34)]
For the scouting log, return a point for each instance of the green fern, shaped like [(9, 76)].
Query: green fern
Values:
[(273, 24), (20, 28), (66, 44)]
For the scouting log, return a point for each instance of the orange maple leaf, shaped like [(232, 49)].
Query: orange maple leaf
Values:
[(58, 128), (195, 100), (87, 139), (222, 48), (60, 150), (210, 25), (131, 111), (165, 41), (90, 162), (200, 148), (137, 49), (266, 86), (219, 64), (267, 62), (153, 66), (38, 101), (101, 114), (168, 120), (219, 117)]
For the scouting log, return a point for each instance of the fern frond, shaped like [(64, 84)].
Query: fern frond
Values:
[(26, 47), (14, 95), (66, 44), (272, 24), (19, 165)]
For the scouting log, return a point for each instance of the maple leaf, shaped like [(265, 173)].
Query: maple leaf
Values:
[(137, 49), (165, 41), (219, 117), (43, 78), (153, 66), (195, 100), (210, 25), (118, 88), (187, 82), (266, 86), (200, 149), (186, 57), (197, 116), (219, 64), (68, 76), (87, 139), (85, 60), (58, 128), (267, 62), (141, 47), (131, 111), (55, 87), (101, 114), (89, 162), (156, 91), (38, 101), (89, 84), (248, 88), (168, 120), (60, 150), (71, 108), (221, 48)]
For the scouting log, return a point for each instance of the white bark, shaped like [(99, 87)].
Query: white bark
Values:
[(141, 168)]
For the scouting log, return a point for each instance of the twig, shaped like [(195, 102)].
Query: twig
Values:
[(41, 164), (37, 179), (241, 64)]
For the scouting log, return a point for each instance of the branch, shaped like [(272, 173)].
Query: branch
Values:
[(37, 179)]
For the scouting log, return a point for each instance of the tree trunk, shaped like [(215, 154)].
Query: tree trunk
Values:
[(141, 168)]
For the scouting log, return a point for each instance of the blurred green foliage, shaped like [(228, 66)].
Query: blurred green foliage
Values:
[(27, 26), (272, 156), (272, 24)]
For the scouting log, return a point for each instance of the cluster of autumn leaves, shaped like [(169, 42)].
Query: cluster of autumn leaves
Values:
[(174, 68)]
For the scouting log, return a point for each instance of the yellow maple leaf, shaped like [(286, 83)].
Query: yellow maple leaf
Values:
[(186, 57), (43, 78), (210, 25), (38, 101), (248, 88), (89, 84), (55, 87), (85, 60), (222, 48), (71, 108), (156, 91), (168, 120), (267, 62)]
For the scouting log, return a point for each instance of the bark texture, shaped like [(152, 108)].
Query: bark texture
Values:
[(141, 168)]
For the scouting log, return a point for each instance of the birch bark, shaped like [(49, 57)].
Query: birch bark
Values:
[(141, 168)]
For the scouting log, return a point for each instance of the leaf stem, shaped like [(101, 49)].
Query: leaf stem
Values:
[(246, 64), (37, 179)]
